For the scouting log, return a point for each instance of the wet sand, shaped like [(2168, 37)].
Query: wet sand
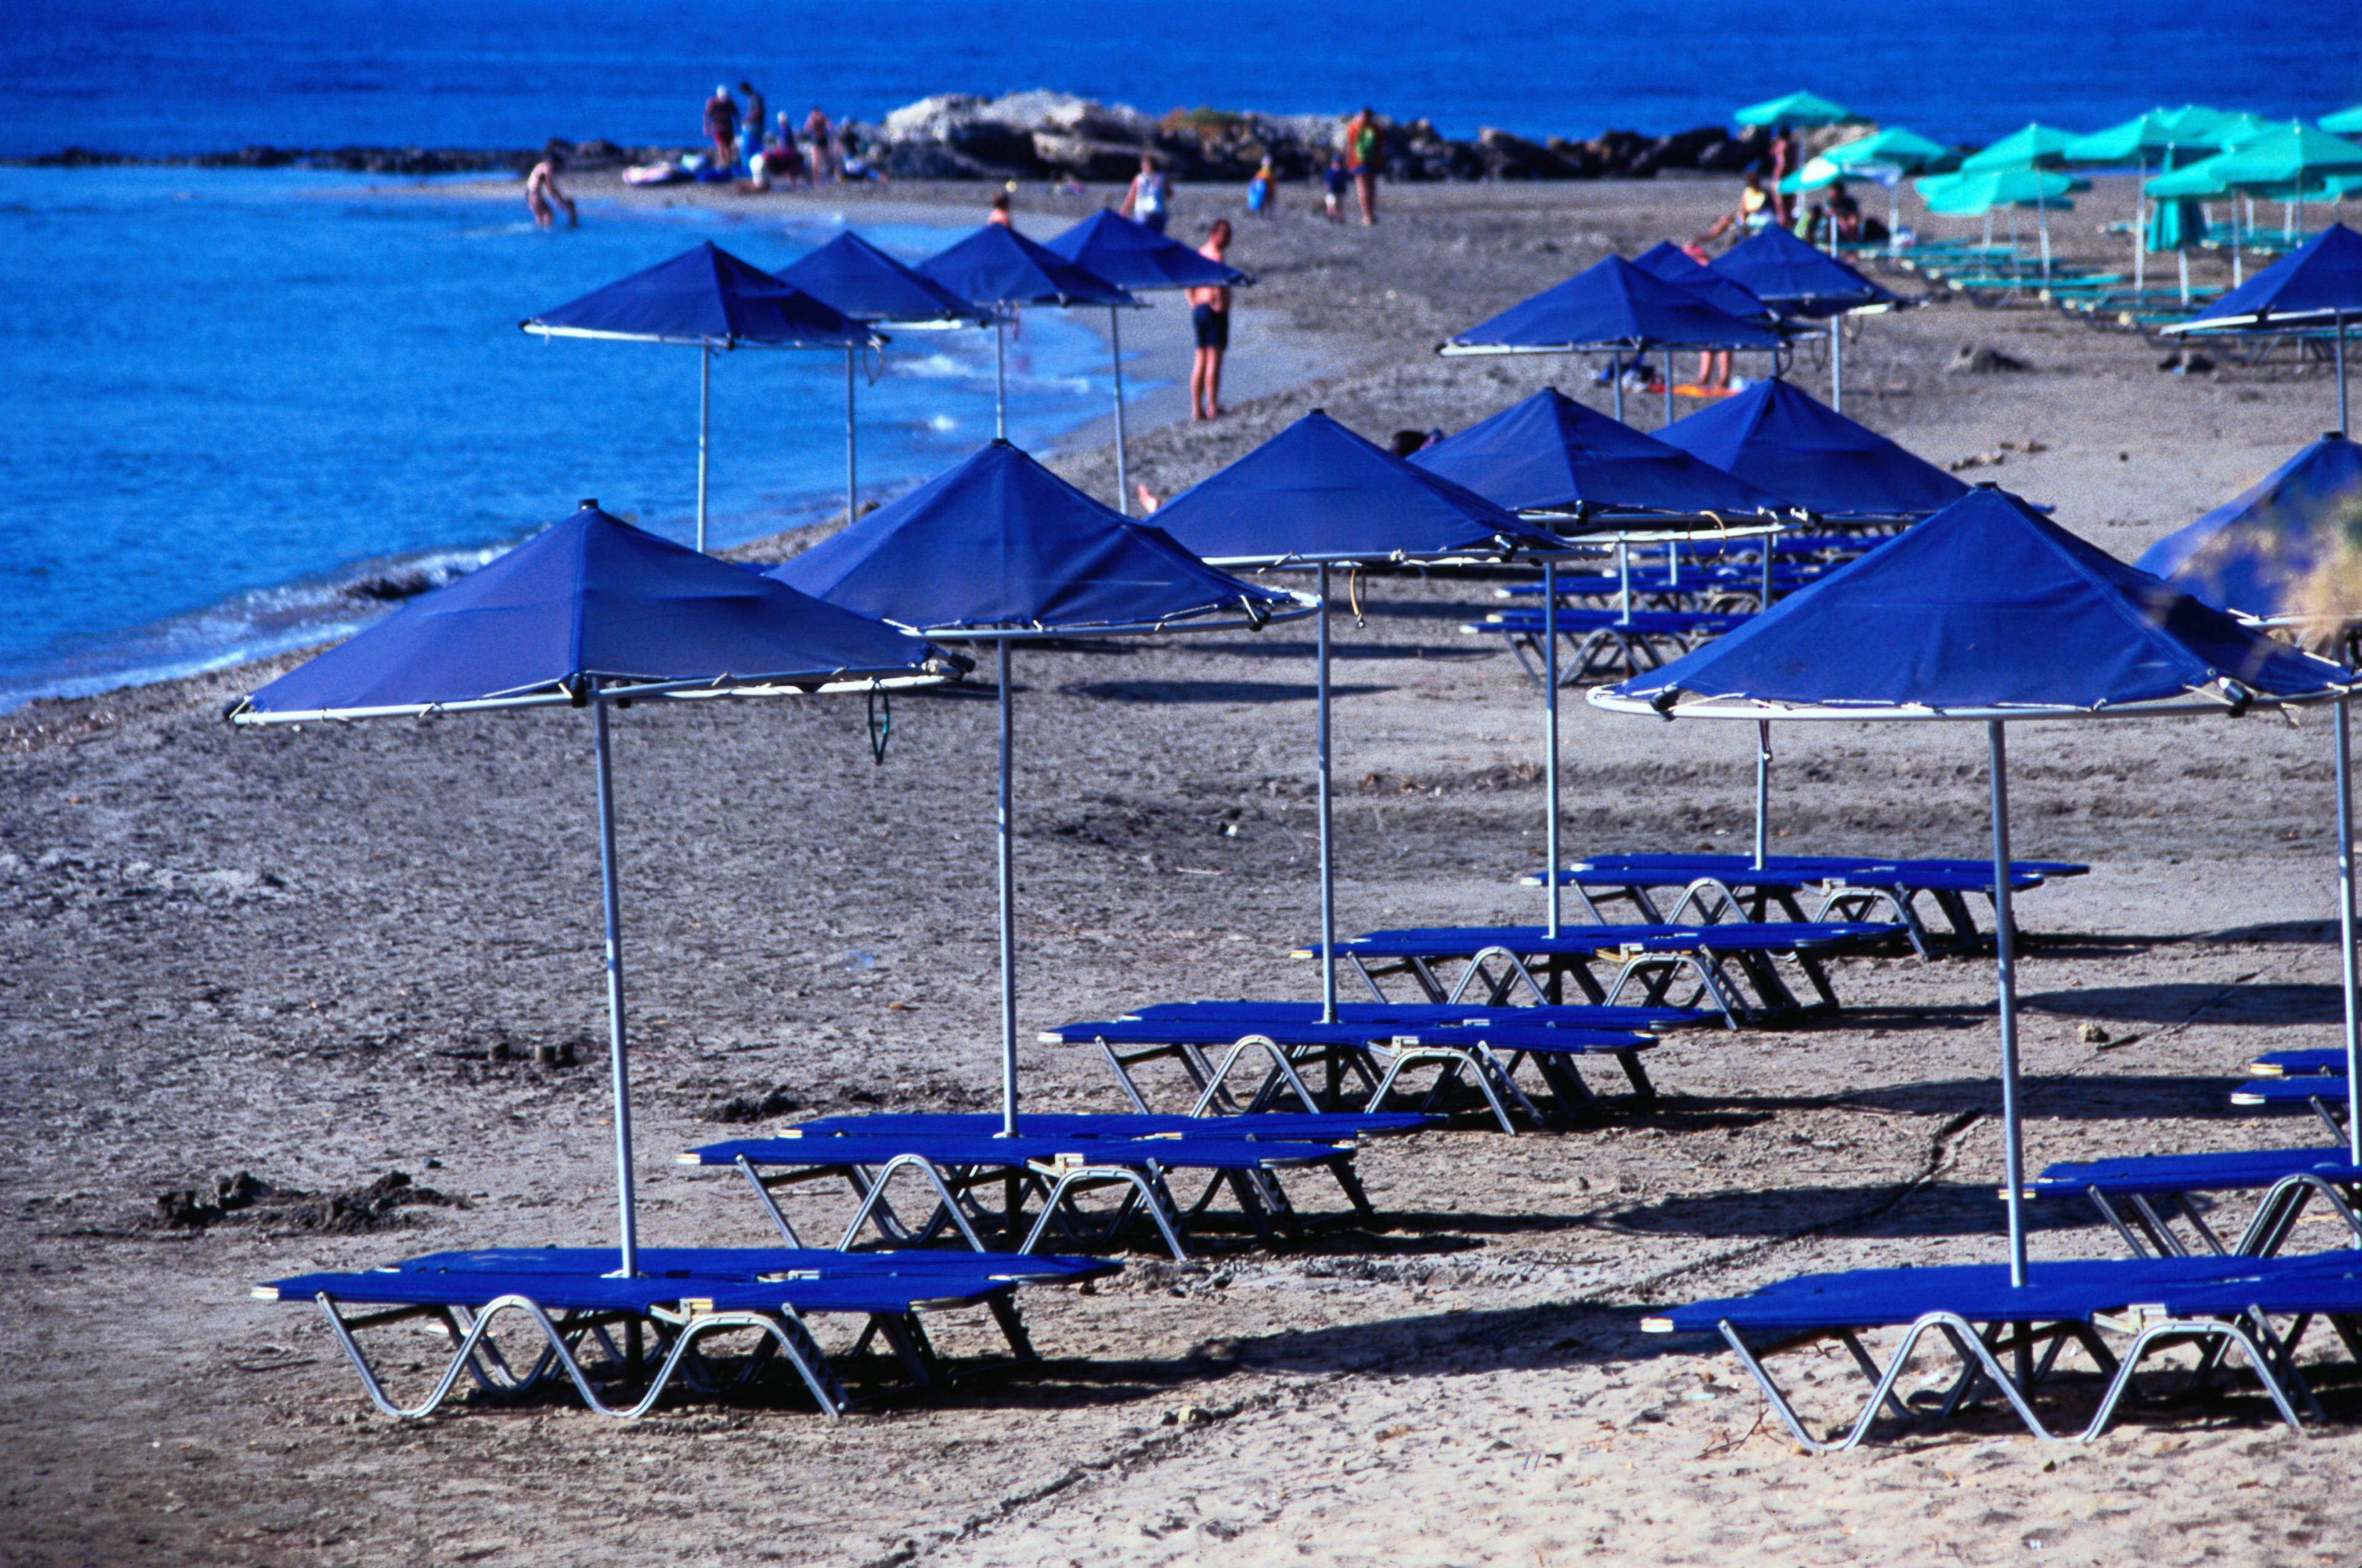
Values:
[(288, 953)]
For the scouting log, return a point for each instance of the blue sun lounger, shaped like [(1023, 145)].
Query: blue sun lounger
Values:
[(2315, 1064), (1277, 1126), (1715, 887), (1437, 1015), (2323, 1094), (1055, 1171), (1986, 1321), (578, 1312), (1498, 961), (1375, 1055), (1604, 641), (2144, 1194)]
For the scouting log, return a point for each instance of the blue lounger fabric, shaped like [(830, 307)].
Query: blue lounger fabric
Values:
[(1459, 942), (2231, 1171), (1499, 1036), (640, 1295), (758, 1264), (1247, 1015), (960, 1149), (1321, 1127)]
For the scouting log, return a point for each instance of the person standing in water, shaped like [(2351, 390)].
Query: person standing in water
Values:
[(1149, 199), (1209, 317), (542, 195), (1365, 154)]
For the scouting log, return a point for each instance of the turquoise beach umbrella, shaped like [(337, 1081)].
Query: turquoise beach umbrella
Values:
[(1796, 109), (1895, 148), (2160, 131), (2135, 138), (2344, 122), (2294, 154), (1974, 193), (2035, 147), (1816, 175)]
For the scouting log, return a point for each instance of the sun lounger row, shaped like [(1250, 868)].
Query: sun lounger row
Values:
[(1713, 888), (624, 1343), (1731, 970), (1604, 641), (2010, 1341)]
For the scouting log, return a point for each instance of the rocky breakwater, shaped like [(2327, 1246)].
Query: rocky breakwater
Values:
[(1044, 135)]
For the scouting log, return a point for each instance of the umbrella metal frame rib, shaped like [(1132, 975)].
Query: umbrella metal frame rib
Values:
[(2005, 928), (706, 346), (598, 696)]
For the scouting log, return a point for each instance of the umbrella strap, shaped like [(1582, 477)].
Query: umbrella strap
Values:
[(1354, 595), (881, 723), (873, 363)]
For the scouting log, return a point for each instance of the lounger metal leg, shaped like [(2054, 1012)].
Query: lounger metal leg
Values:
[(1123, 1076), (1012, 1328), (948, 1208), (1100, 1175), (2159, 1229), (770, 1205), (2131, 1240), (1215, 1094)]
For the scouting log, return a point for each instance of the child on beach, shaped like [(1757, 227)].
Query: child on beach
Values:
[(1259, 190), (1209, 317), (541, 190), (1333, 182)]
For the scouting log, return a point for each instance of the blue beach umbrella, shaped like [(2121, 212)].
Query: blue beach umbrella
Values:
[(1778, 437), (1131, 255), (851, 275), (999, 549), (1002, 270), (1318, 495), (1989, 611), (1614, 307), (592, 614), (2317, 286), (1669, 262), (706, 299), (1556, 461), (2274, 552), (1799, 281)]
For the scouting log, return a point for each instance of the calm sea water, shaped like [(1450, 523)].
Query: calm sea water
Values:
[(181, 75), (232, 397)]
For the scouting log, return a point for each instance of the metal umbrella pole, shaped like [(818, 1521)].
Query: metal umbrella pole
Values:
[(1008, 867), (1328, 858), (2343, 733), (1550, 736), (1837, 362), (848, 435), (1762, 789), (2005, 964), (2342, 427), (704, 412), (999, 381), (612, 908), (1115, 359), (2042, 224), (1669, 386)]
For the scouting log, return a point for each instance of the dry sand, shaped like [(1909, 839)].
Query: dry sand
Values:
[(273, 952)]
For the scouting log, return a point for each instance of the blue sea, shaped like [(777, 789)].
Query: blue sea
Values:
[(234, 400)]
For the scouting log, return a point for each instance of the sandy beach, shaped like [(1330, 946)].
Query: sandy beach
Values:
[(293, 954)]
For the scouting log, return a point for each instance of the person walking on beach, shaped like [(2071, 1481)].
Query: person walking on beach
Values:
[(722, 128), (1259, 190), (541, 193), (1149, 199), (1366, 150), (822, 137), (1783, 163), (1209, 317), (750, 139)]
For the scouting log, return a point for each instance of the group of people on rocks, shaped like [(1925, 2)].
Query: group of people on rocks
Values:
[(769, 149)]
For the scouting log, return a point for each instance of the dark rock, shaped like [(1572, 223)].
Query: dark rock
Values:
[(1508, 157), (1975, 362), (748, 1107), (1085, 158)]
